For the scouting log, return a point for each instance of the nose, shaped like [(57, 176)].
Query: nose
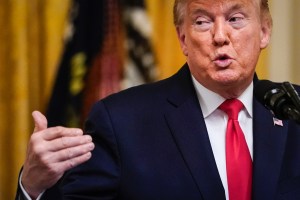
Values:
[(220, 33)]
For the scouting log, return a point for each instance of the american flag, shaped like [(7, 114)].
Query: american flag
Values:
[(277, 122)]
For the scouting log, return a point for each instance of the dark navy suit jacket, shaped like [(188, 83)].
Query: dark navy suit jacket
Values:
[(152, 144)]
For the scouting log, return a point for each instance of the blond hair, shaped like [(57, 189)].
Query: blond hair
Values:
[(179, 9)]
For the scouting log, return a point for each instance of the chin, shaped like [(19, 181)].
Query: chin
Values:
[(227, 81)]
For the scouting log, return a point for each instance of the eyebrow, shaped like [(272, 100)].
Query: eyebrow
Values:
[(207, 13), (200, 11), (236, 7)]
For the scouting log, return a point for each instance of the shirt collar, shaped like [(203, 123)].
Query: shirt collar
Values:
[(210, 101)]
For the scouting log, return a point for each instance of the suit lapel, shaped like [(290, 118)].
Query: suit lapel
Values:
[(188, 129), (190, 134), (268, 144)]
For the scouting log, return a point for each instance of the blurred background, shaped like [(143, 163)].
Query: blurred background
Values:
[(60, 56)]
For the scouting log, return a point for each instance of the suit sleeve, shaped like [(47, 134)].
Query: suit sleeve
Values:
[(99, 177), (21, 193)]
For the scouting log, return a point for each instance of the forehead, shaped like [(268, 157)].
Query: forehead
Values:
[(223, 1), (211, 5)]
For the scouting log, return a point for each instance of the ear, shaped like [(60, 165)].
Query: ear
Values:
[(181, 38), (266, 31)]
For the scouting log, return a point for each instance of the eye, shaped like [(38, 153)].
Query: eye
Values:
[(202, 23), (237, 21)]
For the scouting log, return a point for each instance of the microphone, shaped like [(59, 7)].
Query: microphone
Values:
[(281, 98)]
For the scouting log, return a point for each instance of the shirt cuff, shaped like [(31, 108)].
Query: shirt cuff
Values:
[(26, 195)]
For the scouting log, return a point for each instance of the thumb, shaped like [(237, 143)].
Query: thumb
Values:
[(40, 121)]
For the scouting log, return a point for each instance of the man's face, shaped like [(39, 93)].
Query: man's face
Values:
[(222, 40)]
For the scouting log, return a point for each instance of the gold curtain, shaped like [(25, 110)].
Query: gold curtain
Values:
[(166, 46), (262, 68), (164, 39), (31, 41)]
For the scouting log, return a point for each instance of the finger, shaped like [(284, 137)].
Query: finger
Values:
[(58, 132), (68, 164), (71, 153), (40, 121), (68, 142)]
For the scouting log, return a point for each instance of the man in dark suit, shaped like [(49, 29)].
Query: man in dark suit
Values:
[(167, 140)]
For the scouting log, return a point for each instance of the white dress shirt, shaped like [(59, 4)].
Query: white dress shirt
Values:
[(216, 123), (27, 197)]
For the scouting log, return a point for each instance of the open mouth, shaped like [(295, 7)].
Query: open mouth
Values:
[(223, 60), (223, 57)]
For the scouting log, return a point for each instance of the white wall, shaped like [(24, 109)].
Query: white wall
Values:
[(284, 56)]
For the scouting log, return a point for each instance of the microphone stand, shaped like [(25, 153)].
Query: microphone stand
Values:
[(292, 111)]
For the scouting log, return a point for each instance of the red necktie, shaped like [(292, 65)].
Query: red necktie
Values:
[(238, 159)]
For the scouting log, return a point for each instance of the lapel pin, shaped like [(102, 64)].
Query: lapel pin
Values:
[(277, 122)]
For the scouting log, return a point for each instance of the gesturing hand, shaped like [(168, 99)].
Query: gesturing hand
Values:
[(52, 151)]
